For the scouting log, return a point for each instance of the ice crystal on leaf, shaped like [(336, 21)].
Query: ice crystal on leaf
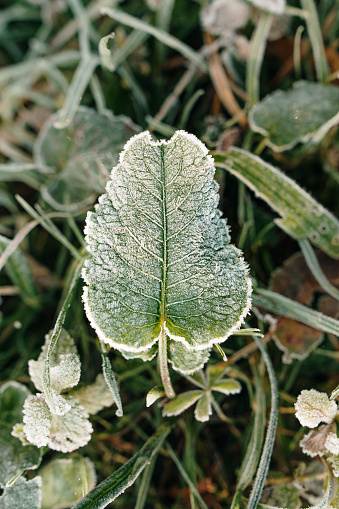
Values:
[(313, 407), (94, 397), (162, 266), (332, 443)]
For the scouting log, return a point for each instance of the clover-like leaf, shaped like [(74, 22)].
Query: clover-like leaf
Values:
[(63, 433), (22, 494), (154, 394), (227, 386), (161, 264), (94, 397), (313, 407), (181, 402), (82, 156), (203, 408), (64, 481), (307, 112)]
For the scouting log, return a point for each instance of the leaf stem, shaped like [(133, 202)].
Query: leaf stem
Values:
[(163, 365)]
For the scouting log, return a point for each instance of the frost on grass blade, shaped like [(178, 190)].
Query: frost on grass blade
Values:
[(161, 258), (313, 407)]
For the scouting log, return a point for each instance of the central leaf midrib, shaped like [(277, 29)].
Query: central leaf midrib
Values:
[(164, 222)]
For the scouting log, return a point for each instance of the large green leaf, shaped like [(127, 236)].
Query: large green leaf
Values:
[(161, 259), (302, 216), (82, 155), (305, 113)]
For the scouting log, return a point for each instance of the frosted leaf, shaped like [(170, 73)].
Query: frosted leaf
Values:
[(224, 17), (22, 494), (64, 346), (313, 444), (181, 402), (67, 373), (161, 256), (186, 361), (154, 394), (94, 397), (63, 433), (72, 430), (334, 460), (18, 432), (203, 409), (64, 481), (332, 443), (313, 407), (147, 355), (37, 420), (12, 398), (273, 6), (227, 386)]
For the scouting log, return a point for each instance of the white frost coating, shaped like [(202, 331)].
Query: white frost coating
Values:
[(160, 251), (62, 433), (332, 443), (273, 6), (94, 397), (313, 407), (228, 386), (203, 408), (313, 444), (37, 420), (334, 460), (67, 373)]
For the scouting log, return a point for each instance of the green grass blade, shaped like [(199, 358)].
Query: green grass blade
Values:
[(316, 270), (284, 306), (110, 379), (161, 35), (270, 434), (124, 477), (145, 483), (316, 38), (251, 458), (302, 216)]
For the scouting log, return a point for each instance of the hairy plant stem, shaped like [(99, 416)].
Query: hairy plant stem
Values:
[(163, 365)]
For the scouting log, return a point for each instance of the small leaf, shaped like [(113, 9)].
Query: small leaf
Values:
[(147, 355), (111, 381), (332, 443), (283, 495), (15, 457), (67, 373), (186, 361), (273, 6), (161, 258), (313, 444), (65, 481), (307, 112), (82, 156), (334, 393), (63, 433), (313, 407), (22, 494), (181, 402), (19, 273), (94, 397), (302, 216), (227, 386), (12, 398), (214, 372), (63, 348), (203, 409), (154, 394)]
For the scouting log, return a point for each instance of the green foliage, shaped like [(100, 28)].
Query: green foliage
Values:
[(256, 82)]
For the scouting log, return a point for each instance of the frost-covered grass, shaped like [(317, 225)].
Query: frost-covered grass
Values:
[(173, 412)]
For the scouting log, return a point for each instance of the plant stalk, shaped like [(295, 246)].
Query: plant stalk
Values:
[(163, 365)]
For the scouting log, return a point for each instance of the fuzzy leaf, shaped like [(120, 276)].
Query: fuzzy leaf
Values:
[(82, 155), (15, 457), (313, 407), (307, 112), (19, 273), (203, 409), (63, 433), (94, 397), (332, 443), (67, 373), (22, 494), (65, 481), (12, 398), (227, 386), (302, 216), (313, 444), (161, 254), (154, 394), (181, 402), (63, 348)]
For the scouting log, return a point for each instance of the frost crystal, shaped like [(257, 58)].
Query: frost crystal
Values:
[(94, 397), (62, 433), (313, 407), (332, 443), (334, 460)]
